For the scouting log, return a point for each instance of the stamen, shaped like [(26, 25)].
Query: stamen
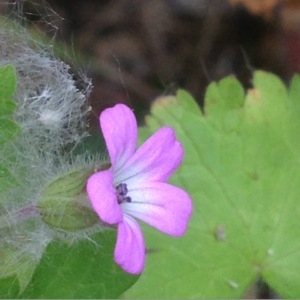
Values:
[(127, 199), (122, 192), (122, 189)]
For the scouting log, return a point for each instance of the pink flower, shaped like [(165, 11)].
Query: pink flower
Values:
[(135, 186)]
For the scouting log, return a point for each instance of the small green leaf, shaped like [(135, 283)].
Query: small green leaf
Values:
[(85, 269), (8, 82)]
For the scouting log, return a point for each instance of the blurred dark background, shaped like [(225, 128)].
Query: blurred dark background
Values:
[(136, 50)]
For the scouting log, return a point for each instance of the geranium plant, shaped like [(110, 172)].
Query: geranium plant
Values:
[(225, 179)]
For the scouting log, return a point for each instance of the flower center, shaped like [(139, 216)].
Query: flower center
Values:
[(122, 193)]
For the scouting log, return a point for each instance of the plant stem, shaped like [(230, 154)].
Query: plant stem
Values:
[(19, 216)]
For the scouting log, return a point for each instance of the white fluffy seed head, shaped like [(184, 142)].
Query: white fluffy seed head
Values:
[(52, 113), (48, 99)]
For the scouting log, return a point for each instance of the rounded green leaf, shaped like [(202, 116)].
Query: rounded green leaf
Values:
[(242, 169), (83, 269)]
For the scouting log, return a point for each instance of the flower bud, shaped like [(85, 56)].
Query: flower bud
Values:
[(64, 205)]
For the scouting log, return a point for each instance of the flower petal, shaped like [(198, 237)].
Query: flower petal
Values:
[(102, 195), (119, 128), (155, 160), (130, 247), (161, 205)]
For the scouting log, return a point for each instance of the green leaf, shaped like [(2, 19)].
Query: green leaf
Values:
[(8, 128), (85, 269), (6, 107), (15, 270), (242, 169), (9, 288), (8, 82)]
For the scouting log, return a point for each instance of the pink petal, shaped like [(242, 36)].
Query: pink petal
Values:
[(161, 205), (130, 247), (102, 195), (119, 129), (155, 160)]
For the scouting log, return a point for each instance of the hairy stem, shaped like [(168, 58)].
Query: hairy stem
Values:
[(18, 216)]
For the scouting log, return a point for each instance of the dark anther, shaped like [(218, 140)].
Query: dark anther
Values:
[(122, 192), (122, 189), (127, 199)]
